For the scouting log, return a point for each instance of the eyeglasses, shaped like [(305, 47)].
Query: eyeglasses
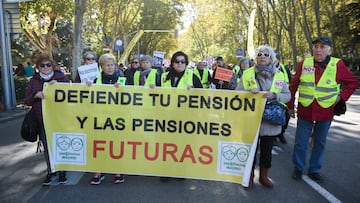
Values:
[(90, 59), (136, 62), (263, 54), (45, 65), (180, 62)]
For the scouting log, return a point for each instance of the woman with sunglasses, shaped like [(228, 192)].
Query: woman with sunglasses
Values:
[(89, 57), (178, 75), (265, 77), (46, 72), (129, 73)]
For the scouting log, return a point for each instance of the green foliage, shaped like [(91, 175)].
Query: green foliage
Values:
[(20, 87)]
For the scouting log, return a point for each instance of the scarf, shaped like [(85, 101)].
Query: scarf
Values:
[(46, 77), (265, 71)]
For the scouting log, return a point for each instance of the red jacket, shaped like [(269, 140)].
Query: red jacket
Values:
[(315, 112), (35, 85)]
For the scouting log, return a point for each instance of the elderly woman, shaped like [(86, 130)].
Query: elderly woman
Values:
[(178, 75), (89, 57), (46, 72), (270, 81)]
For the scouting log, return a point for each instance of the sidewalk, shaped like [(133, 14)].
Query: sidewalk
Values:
[(18, 111)]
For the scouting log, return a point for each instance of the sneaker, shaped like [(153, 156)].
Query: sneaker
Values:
[(316, 177), (62, 177), (96, 180), (297, 174), (48, 179), (119, 179)]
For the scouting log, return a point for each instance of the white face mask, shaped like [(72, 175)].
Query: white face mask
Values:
[(48, 76)]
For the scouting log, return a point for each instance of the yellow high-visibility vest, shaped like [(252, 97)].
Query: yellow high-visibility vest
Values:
[(204, 79), (185, 81), (325, 91), (249, 80), (121, 80)]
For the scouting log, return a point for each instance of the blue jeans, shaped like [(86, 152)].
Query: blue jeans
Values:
[(303, 132)]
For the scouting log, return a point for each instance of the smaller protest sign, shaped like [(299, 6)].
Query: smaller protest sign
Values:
[(158, 58), (223, 74), (88, 73)]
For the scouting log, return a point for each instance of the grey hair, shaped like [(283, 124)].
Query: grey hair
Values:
[(146, 58), (268, 49), (87, 53), (244, 59)]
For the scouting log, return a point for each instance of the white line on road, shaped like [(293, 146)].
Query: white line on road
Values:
[(320, 190)]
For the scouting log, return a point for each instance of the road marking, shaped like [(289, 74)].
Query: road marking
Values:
[(331, 198)]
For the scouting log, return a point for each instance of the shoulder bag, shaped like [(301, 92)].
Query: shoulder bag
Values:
[(30, 127)]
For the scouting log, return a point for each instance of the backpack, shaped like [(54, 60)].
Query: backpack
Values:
[(30, 128)]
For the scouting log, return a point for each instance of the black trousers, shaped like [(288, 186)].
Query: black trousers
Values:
[(266, 145)]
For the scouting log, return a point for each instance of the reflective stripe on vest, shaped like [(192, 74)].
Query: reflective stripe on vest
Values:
[(185, 81), (204, 79), (326, 91), (120, 80)]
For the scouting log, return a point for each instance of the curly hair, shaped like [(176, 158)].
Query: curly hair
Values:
[(44, 57), (268, 49)]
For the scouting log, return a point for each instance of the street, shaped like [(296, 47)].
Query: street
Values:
[(23, 170)]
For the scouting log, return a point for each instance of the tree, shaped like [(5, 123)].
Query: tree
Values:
[(38, 19), (80, 6)]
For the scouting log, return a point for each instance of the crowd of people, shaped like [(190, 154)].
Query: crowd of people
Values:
[(318, 80)]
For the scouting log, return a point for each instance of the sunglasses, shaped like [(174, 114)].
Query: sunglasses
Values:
[(90, 59), (135, 62), (180, 62), (263, 54), (45, 65)]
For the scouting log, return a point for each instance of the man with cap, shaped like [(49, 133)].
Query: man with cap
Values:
[(318, 81)]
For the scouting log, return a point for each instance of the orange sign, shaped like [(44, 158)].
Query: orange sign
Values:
[(223, 74)]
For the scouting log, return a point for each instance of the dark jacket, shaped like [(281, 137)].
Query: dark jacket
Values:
[(35, 85)]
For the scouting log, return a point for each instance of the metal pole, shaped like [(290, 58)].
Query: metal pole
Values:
[(4, 71), (9, 59)]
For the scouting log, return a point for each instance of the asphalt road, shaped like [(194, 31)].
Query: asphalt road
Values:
[(22, 172)]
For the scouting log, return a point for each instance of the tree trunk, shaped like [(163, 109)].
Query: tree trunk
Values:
[(80, 6)]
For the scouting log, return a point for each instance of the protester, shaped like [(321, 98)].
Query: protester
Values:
[(33, 97), (108, 75), (89, 57), (317, 80), (147, 76), (265, 77), (244, 64), (203, 74), (178, 75), (129, 73), (220, 84)]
